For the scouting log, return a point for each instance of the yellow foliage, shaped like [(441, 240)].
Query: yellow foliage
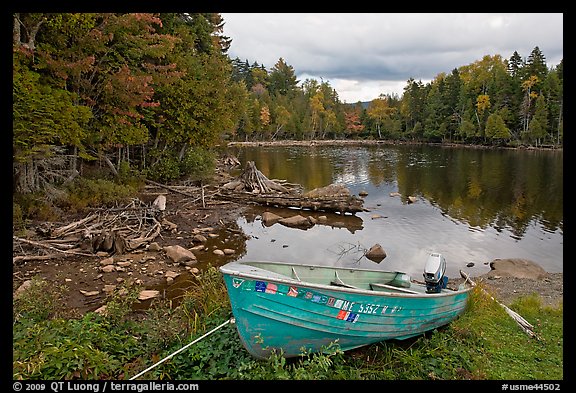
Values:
[(483, 103)]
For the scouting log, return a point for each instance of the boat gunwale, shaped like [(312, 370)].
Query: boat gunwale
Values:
[(283, 279)]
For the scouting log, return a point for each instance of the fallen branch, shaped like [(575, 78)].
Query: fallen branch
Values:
[(524, 324), (168, 188), (132, 244), (38, 244), (62, 230), (338, 204), (25, 258)]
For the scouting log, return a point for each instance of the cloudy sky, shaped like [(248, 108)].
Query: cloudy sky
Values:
[(365, 55)]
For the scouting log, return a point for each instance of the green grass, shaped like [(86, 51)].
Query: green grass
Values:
[(485, 343)]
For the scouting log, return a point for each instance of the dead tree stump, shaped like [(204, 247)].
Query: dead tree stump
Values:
[(253, 186), (254, 181)]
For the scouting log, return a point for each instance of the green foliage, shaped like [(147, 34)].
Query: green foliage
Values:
[(87, 348), (329, 363), (166, 167), (84, 192), (198, 163), (81, 193), (484, 343), (496, 128), (103, 81), (128, 176), (119, 306), (17, 217), (33, 205), (217, 356), (40, 301), (43, 115)]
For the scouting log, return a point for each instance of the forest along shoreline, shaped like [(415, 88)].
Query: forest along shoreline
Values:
[(369, 142), (197, 229)]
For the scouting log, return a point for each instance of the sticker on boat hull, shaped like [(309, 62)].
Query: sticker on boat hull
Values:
[(344, 307), (236, 282)]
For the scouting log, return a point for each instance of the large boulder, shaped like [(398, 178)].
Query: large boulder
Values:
[(269, 218), (329, 191), (179, 254), (516, 267), (297, 221), (376, 253)]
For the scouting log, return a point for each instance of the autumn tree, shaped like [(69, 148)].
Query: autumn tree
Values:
[(264, 116), (380, 110), (196, 107), (281, 119), (354, 125), (113, 62), (529, 96), (49, 116), (317, 110)]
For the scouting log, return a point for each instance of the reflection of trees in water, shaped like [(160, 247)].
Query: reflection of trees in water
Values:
[(490, 188), (350, 222), (500, 188)]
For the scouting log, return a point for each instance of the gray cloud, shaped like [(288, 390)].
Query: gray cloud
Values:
[(388, 48)]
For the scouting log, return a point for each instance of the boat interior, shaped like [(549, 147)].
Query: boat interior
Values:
[(388, 281)]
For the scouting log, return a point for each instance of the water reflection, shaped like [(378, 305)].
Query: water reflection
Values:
[(473, 205), (351, 223)]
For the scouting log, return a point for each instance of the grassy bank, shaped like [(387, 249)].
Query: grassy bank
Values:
[(483, 344)]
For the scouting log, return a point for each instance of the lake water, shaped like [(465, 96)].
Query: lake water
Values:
[(473, 205)]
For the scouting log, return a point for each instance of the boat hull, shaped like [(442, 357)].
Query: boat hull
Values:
[(294, 318)]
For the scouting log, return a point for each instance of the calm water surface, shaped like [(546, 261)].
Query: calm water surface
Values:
[(473, 206)]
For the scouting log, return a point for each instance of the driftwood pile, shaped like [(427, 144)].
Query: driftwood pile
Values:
[(106, 230), (253, 186), (124, 229)]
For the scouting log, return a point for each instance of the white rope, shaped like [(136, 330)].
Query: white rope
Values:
[(183, 348)]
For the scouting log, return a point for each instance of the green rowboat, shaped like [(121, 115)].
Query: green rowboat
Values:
[(298, 308)]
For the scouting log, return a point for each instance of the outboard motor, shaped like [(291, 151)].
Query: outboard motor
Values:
[(434, 273)]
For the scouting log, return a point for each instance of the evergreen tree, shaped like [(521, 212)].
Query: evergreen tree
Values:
[(539, 124), (552, 90), (450, 99), (412, 107), (43, 117), (515, 65), (282, 78), (496, 129), (433, 113), (536, 66)]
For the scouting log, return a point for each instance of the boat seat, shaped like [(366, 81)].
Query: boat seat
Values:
[(378, 286), (339, 283)]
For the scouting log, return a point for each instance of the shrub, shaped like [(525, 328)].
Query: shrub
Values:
[(97, 192), (198, 163)]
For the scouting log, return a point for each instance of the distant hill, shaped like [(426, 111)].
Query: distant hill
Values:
[(364, 104)]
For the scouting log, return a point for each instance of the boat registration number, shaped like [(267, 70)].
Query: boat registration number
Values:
[(376, 309)]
